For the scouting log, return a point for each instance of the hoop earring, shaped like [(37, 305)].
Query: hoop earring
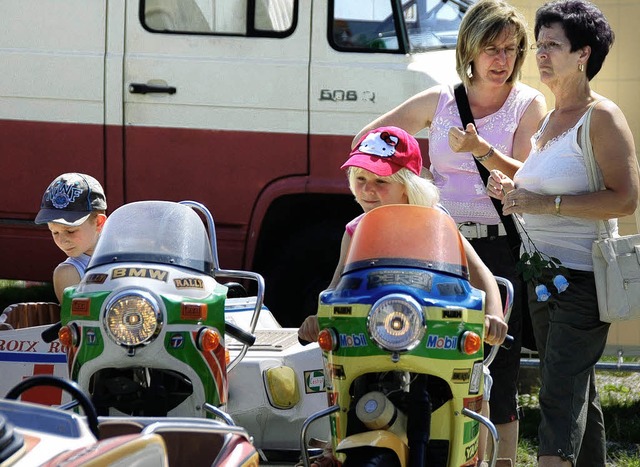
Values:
[(581, 66)]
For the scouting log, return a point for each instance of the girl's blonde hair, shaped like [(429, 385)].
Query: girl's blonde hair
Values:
[(420, 191)]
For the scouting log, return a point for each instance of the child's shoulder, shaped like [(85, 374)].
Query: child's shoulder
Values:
[(66, 270)]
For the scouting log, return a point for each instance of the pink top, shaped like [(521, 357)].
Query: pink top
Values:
[(351, 226), (455, 174)]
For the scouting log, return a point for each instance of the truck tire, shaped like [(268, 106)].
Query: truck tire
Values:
[(299, 269)]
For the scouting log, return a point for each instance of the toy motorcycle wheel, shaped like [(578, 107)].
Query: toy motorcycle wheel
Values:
[(371, 457)]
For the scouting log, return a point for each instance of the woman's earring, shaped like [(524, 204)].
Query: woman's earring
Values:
[(581, 66)]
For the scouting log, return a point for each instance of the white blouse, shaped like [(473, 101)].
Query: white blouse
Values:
[(558, 168)]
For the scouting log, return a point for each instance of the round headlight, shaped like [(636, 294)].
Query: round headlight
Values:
[(396, 323), (132, 318)]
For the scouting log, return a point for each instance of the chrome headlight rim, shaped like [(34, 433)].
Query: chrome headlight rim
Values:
[(154, 307), (415, 333)]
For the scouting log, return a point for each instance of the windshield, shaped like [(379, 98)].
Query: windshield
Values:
[(372, 25), (154, 232), (404, 235)]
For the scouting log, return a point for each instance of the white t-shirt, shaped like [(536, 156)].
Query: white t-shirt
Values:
[(79, 262)]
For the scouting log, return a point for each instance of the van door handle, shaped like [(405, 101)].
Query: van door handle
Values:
[(140, 88)]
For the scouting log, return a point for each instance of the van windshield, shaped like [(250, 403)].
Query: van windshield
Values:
[(375, 25)]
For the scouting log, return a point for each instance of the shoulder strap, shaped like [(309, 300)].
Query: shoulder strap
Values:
[(464, 109), (587, 151), (591, 165), (593, 171)]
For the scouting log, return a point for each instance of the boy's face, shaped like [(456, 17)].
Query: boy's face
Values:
[(77, 240), (373, 191)]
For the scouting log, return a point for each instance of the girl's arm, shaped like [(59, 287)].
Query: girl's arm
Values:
[(481, 278)]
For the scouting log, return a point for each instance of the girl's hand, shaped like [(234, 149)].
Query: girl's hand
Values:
[(495, 329)]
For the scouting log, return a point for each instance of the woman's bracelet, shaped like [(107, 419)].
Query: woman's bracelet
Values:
[(486, 156)]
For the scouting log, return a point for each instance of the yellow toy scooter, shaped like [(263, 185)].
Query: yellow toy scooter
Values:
[(402, 340)]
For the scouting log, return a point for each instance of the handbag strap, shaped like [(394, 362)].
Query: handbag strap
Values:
[(591, 165), (464, 109), (593, 171)]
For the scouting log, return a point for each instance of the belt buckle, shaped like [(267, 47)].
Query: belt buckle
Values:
[(479, 231), (470, 231)]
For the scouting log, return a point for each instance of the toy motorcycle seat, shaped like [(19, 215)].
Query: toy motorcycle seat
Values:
[(112, 428), (192, 443), (28, 314)]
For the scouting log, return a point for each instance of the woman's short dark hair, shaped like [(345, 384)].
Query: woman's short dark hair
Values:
[(584, 24)]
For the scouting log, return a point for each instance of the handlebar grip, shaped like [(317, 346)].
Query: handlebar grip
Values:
[(239, 334), (508, 341), (51, 333), (303, 341)]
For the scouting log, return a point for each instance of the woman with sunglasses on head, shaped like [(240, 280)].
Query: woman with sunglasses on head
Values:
[(491, 49), (560, 214)]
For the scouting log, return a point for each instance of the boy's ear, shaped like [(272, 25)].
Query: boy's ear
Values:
[(100, 220)]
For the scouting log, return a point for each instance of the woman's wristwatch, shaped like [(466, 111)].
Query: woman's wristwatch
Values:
[(557, 201)]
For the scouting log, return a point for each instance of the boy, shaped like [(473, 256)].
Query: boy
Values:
[(73, 206)]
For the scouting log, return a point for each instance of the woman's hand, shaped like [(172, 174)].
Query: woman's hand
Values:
[(467, 140), (519, 200), (309, 329), (498, 184)]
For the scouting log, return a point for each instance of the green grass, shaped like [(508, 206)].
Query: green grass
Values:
[(620, 399), (17, 291)]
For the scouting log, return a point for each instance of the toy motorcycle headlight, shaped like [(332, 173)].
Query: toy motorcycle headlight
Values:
[(396, 323), (132, 318)]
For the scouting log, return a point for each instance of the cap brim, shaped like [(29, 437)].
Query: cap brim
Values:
[(374, 164), (70, 218)]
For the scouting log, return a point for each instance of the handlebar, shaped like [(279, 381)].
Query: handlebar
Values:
[(239, 334), (303, 341), (508, 341), (51, 333)]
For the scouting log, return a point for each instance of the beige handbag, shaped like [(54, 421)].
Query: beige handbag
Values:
[(616, 260)]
